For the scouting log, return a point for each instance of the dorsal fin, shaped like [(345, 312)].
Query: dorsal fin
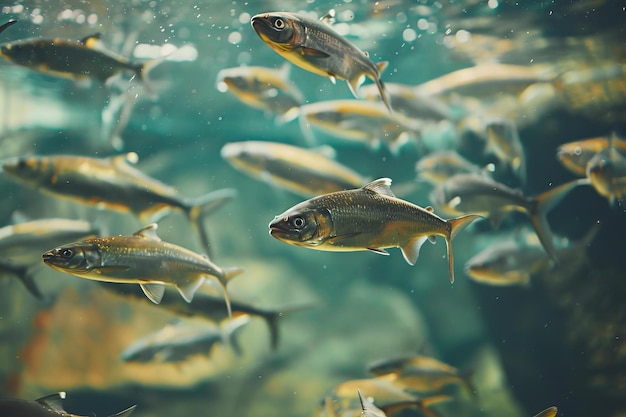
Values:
[(148, 232), (329, 17), (429, 209), (124, 159), (90, 41), (7, 24), (54, 402), (380, 186)]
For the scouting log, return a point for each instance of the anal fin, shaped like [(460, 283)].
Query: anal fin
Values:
[(154, 291)]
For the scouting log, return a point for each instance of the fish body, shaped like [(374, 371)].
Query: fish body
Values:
[(485, 81), (607, 173), (576, 155), (76, 60), (48, 406), (360, 121), (420, 373), (177, 342), (112, 183), (388, 397), (301, 171), (316, 47), (439, 166), (211, 307), (263, 88), (367, 218), (142, 258), (473, 193)]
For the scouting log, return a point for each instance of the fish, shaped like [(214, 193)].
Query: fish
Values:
[(606, 172), (263, 88), (210, 307), (575, 156), (504, 142), (548, 412), (75, 60), (439, 166), (419, 373), (24, 274), (388, 397), (359, 121), (367, 218), (112, 183), (48, 406), (485, 81), (144, 259), (465, 193), (316, 47), (177, 341), (302, 171)]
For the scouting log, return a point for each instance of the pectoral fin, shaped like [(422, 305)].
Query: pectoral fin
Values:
[(313, 52), (109, 270), (411, 249), (188, 291), (153, 291), (54, 402)]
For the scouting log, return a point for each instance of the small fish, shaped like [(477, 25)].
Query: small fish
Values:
[(178, 341), (360, 121), (316, 47), (437, 167), (304, 172), (576, 155), (76, 60), (263, 88), (486, 81), (142, 258), (368, 218), (210, 307), (418, 373), (113, 184), (473, 193), (48, 406), (504, 142), (388, 397), (607, 173), (548, 412)]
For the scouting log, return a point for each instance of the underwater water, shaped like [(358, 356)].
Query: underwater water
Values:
[(523, 334)]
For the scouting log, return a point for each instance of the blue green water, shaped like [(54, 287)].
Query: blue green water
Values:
[(557, 341)]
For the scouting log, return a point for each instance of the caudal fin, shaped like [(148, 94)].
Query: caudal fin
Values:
[(541, 205), (227, 275), (456, 225), (203, 206)]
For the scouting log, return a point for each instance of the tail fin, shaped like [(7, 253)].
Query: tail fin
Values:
[(230, 327), (227, 275), (456, 225), (143, 70), (203, 206), (539, 208), (25, 275)]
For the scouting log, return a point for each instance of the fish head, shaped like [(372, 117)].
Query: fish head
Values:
[(276, 29), (574, 157), (303, 225), (74, 258), (29, 169)]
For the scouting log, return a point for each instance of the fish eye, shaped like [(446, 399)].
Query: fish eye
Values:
[(298, 222), (67, 253), (279, 23)]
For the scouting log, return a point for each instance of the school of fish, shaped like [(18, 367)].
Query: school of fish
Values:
[(462, 190)]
